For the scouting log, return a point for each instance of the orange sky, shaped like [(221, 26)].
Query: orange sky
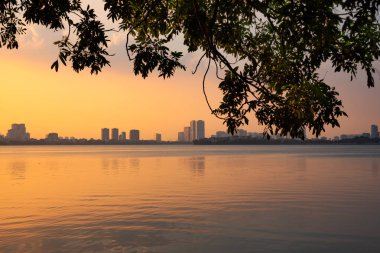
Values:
[(81, 104)]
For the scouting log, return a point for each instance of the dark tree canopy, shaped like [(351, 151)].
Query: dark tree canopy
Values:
[(266, 52)]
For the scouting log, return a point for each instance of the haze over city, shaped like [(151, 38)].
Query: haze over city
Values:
[(80, 104)]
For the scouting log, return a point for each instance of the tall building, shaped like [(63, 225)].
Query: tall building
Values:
[(193, 130), (187, 132), (158, 137), (200, 130), (105, 134), (181, 136), (18, 133), (134, 135), (123, 136), (115, 134), (374, 131)]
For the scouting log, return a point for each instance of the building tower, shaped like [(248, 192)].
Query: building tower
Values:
[(105, 134), (200, 130), (242, 133), (187, 132), (115, 134), (181, 137), (123, 136), (193, 130), (134, 135), (53, 137), (374, 131), (158, 137), (18, 133)]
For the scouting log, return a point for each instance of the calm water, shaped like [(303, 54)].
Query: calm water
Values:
[(190, 199)]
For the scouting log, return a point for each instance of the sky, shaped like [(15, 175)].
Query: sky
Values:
[(79, 105)]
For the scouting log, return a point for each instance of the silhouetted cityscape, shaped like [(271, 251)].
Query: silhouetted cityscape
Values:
[(194, 133)]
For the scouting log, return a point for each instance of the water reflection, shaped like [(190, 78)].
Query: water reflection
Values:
[(195, 164), (17, 169), (105, 164), (244, 203), (375, 167), (113, 165), (296, 166), (134, 163)]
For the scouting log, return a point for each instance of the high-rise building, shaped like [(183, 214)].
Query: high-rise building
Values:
[(134, 135), (123, 136), (105, 134), (18, 133), (181, 136), (374, 131), (193, 130), (200, 130), (115, 134), (187, 132), (158, 137)]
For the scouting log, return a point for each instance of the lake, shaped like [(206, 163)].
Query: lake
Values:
[(190, 199)]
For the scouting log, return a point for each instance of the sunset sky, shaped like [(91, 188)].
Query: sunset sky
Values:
[(81, 104)]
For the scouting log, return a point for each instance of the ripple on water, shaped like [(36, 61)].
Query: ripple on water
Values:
[(190, 199)]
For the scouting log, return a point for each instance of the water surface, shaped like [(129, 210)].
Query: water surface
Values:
[(190, 199)]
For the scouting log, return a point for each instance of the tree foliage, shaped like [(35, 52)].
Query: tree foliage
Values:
[(269, 50)]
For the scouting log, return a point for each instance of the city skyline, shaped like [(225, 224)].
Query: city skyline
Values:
[(195, 131), (18, 132), (43, 119), (79, 104)]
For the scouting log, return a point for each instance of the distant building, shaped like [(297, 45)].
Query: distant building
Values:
[(193, 130), (200, 129), (105, 134), (158, 137), (187, 131), (52, 137), (181, 137), (123, 136), (134, 135), (221, 134), (256, 135), (242, 133), (115, 134), (374, 131), (366, 135), (349, 136), (18, 133)]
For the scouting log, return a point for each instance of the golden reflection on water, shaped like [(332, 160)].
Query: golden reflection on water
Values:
[(17, 169), (106, 201)]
